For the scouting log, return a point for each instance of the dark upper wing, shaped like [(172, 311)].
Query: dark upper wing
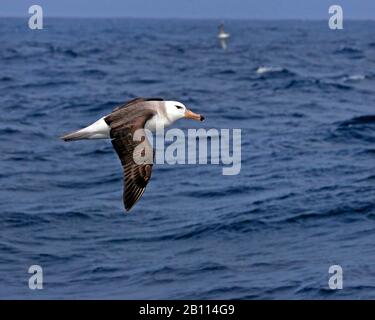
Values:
[(135, 101), (136, 156)]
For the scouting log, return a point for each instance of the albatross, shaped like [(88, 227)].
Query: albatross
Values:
[(121, 125), (222, 34)]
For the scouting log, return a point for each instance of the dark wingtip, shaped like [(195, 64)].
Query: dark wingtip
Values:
[(63, 138), (202, 118), (128, 204)]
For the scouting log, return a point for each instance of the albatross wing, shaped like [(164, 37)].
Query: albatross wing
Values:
[(135, 101), (123, 123)]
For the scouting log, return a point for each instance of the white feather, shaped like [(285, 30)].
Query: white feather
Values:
[(98, 130)]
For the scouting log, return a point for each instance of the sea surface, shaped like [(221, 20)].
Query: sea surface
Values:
[(303, 96)]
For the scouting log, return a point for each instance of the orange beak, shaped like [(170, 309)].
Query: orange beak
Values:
[(191, 115)]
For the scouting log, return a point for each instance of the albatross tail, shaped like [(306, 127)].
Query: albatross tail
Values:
[(98, 130)]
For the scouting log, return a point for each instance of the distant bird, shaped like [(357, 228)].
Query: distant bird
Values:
[(120, 126), (223, 36)]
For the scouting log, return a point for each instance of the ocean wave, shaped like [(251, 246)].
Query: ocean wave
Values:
[(104, 270), (202, 230), (18, 220), (10, 54), (358, 128), (366, 119), (205, 267), (237, 190), (195, 231), (66, 52), (348, 50), (314, 83), (48, 84), (222, 292), (9, 130), (6, 79), (355, 77), (264, 70), (144, 81), (94, 72), (344, 211), (174, 49), (367, 151), (370, 177), (227, 71), (347, 133)]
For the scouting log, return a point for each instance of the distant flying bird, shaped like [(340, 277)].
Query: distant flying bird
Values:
[(223, 36), (120, 126)]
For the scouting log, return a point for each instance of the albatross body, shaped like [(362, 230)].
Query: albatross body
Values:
[(120, 126)]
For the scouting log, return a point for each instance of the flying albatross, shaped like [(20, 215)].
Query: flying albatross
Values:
[(223, 36), (121, 125)]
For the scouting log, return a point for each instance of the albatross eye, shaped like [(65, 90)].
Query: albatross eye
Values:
[(178, 107)]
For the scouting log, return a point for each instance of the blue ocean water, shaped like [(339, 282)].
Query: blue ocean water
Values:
[(304, 97)]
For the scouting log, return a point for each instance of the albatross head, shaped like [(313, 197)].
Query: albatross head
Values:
[(176, 110)]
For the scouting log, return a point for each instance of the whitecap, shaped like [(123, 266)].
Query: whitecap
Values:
[(262, 70), (355, 77)]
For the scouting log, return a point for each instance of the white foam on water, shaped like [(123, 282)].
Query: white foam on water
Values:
[(262, 70)]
